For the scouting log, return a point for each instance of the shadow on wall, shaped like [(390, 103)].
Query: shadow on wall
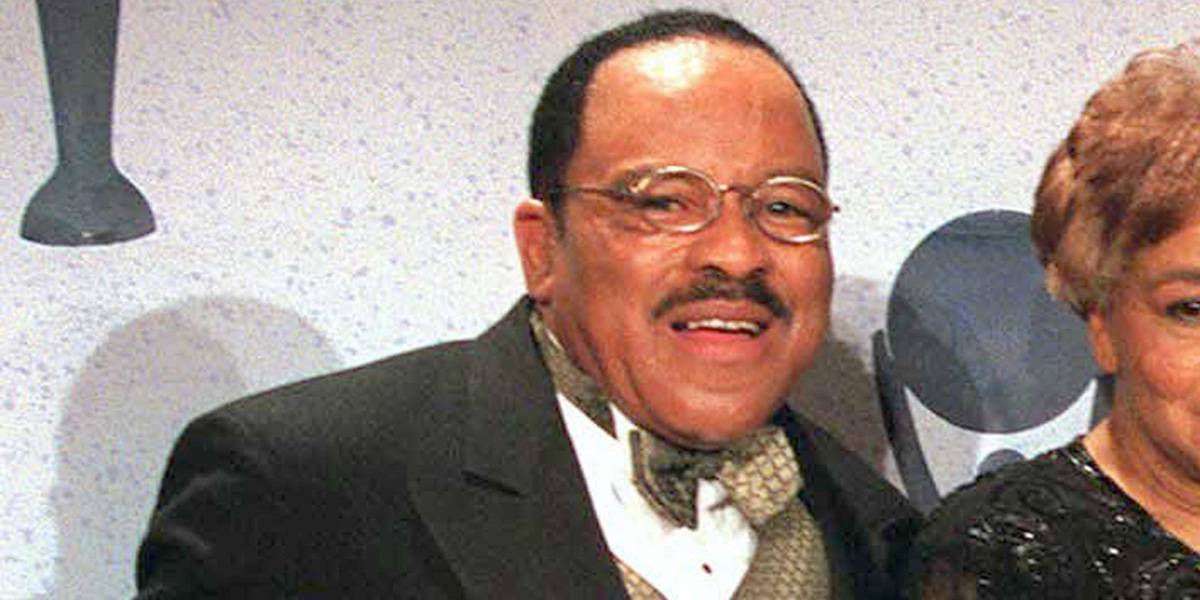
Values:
[(133, 397), (838, 390)]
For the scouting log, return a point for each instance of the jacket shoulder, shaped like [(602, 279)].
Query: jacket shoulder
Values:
[(1009, 534), (394, 404), (862, 483)]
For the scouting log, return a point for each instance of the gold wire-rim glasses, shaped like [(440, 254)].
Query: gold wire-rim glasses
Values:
[(662, 198)]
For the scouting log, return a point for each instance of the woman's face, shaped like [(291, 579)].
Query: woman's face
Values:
[(1149, 336)]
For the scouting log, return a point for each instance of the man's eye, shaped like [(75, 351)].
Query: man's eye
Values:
[(1186, 311), (660, 203), (784, 210)]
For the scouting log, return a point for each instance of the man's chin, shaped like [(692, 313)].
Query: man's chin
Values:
[(711, 433), (709, 440)]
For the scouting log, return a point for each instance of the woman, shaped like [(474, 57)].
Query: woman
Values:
[(1116, 513)]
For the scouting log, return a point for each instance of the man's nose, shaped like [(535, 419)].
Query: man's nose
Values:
[(731, 243)]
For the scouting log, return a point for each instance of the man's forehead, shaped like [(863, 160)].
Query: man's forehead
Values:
[(686, 97), (680, 64), (673, 66)]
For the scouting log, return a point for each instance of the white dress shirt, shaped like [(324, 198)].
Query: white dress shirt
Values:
[(707, 562)]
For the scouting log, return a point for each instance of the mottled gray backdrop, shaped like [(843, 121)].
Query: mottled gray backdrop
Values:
[(333, 181)]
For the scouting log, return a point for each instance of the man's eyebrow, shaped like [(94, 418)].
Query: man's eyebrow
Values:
[(801, 172), (642, 168), (628, 174)]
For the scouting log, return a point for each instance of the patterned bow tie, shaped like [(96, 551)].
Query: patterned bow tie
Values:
[(759, 472)]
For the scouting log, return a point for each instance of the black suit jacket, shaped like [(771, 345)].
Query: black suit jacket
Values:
[(440, 473)]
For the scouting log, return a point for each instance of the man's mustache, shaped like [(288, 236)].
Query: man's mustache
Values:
[(718, 285)]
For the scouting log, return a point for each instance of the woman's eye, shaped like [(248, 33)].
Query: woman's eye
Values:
[(1187, 311)]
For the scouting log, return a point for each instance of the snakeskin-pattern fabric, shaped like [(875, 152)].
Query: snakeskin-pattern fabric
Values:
[(638, 588), (790, 559), (576, 385), (764, 481)]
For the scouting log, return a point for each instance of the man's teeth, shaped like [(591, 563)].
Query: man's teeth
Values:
[(723, 325)]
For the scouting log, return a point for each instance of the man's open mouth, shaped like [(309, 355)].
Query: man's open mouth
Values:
[(750, 328)]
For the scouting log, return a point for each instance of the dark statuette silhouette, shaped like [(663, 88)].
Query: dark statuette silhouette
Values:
[(86, 200)]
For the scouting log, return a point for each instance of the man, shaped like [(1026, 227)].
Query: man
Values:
[(679, 281)]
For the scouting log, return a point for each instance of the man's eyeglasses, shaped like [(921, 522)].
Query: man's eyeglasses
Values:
[(683, 200)]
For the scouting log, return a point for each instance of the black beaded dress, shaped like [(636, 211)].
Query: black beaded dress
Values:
[(1052, 527)]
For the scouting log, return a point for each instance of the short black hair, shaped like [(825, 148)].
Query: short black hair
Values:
[(554, 133)]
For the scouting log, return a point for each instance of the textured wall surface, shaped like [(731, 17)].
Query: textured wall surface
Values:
[(333, 183)]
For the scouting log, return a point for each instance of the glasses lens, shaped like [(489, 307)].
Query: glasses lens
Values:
[(790, 209), (674, 200)]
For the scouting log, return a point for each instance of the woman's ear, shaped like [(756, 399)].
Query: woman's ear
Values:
[(1100, 335), (537, 241)]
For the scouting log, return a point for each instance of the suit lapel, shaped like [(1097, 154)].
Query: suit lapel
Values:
[(510, 509)]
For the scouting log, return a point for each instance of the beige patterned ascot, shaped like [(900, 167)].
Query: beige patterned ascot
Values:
[(760, 473)]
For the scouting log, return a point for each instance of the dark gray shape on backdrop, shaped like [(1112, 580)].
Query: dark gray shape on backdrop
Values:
[(974, 334), (999, 458), (86, 201)]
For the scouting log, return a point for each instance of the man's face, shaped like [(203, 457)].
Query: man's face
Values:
[(621, 297)]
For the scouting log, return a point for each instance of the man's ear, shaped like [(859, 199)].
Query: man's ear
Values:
[(1102, 342), (537, 240)]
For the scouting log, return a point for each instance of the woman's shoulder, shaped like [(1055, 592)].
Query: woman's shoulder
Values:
[(1016, 532), (1051, 527), (1043, 488)]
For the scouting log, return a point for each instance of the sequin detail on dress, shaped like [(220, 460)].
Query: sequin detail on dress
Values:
[(1053, 527)]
